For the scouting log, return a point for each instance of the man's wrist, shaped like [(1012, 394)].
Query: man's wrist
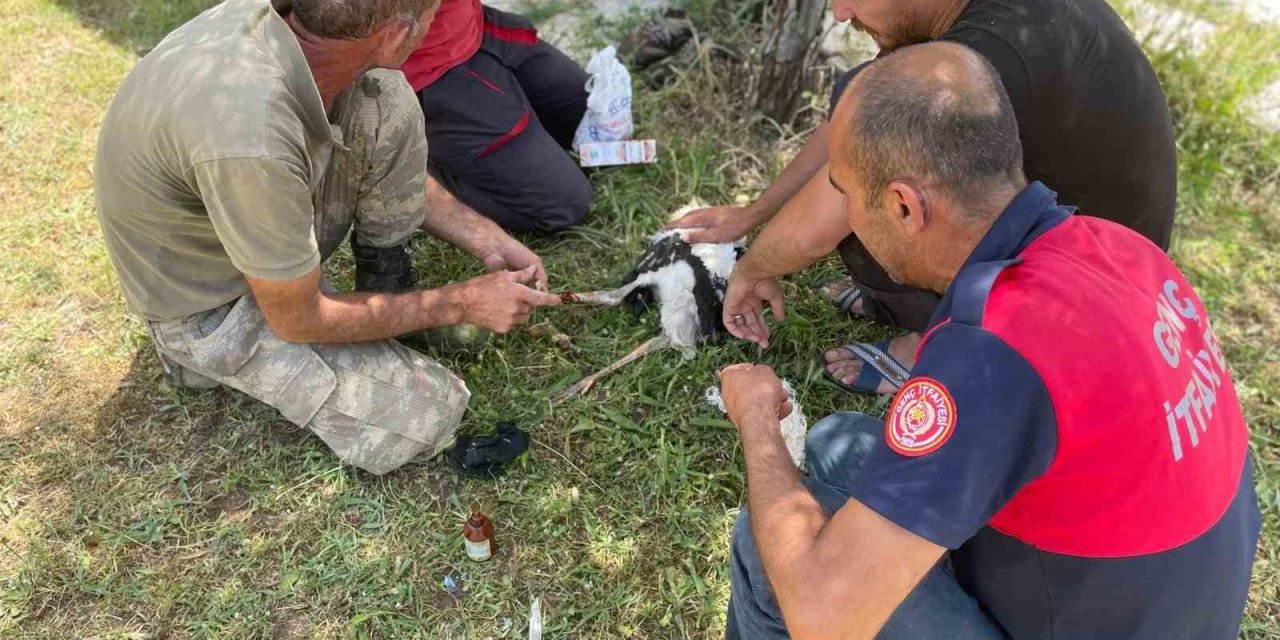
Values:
[(761, 433), (746, 269), (482, 246), (761, 211), (757, 418), (491, 244), (454, 302)]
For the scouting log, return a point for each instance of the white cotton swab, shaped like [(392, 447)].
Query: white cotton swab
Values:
[(794, 427)]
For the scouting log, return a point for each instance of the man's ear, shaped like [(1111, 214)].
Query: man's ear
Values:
[(392, 38), (912, 206)]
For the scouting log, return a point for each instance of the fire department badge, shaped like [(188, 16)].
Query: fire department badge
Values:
[(921, 418)]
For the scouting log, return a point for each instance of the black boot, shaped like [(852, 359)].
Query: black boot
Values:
[(387, 270)]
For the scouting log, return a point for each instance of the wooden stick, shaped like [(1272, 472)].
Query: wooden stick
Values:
[(653, 344)]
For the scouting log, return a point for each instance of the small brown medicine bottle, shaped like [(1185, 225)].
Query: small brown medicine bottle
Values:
[(478, 536)]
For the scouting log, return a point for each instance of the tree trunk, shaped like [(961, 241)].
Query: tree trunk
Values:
[(792, 46)]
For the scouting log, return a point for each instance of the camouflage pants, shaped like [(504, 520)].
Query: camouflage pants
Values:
[(377, 404), (378, 182)]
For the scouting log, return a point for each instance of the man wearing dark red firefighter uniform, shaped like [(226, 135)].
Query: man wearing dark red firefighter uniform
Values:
[(501, 108), (1068, 459)]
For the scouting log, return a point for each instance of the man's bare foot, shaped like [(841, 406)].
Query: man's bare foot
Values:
[(845, 367), (841, 293)]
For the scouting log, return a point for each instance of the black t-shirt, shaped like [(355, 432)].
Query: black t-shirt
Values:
[(1094, 121)]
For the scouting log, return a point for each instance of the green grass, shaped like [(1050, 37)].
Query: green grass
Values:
[(131, 511)]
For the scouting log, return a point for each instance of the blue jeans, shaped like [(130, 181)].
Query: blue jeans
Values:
[(834, 453)]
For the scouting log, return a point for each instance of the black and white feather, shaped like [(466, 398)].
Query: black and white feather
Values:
[(686, 281)]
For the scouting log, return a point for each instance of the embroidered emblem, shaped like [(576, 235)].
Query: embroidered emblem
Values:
[(921, 418)]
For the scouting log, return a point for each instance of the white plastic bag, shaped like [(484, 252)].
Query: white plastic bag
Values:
[(608, 116)]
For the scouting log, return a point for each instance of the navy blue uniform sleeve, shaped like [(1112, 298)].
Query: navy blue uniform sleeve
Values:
[(945, 485)]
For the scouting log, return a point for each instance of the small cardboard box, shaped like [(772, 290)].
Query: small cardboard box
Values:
[(607, 154)]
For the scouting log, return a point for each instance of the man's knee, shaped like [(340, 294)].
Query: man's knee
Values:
[(398, 106), (754, 607), (380, 115), (370, 447), (182, 377), (891, 303), (390, 405), (568, 208), (838, 445), (744, 560), (383, 448)]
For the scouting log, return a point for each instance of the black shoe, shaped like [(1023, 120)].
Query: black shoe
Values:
[(488, 456), (380, 270)]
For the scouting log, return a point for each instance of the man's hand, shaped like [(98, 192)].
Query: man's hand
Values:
[(503, 300), (509, 254), (753, 391), (456, 223), (716, 224), (744, 301)]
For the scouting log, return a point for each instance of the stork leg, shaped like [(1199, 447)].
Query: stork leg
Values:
[(653, 344), (603, 298)]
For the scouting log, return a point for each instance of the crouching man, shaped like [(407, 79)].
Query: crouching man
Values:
[(1090, 479), (501, 107), (234, 160)]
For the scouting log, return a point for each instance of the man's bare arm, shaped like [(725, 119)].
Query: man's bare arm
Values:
[(728, 223), (809, 227), (838, 578), (299, 311), (451, 220), (456, 223), (808, 163)]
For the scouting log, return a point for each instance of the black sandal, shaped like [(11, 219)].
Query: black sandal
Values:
[(487, 456)]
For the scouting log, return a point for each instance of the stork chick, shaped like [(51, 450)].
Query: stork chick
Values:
[(687, 281)]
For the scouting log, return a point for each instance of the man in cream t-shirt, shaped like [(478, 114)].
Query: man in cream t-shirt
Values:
[(234, 160)]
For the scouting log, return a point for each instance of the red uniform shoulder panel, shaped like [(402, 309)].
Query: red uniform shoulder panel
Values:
[(1151, 438)]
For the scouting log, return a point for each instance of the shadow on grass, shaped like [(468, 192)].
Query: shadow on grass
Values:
[(136, 25), (124, 496)]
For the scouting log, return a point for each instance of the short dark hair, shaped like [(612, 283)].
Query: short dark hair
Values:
[(914, 125), (355, 19)]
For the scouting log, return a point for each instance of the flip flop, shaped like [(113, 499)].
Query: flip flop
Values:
[(847, 298), (877, 365)]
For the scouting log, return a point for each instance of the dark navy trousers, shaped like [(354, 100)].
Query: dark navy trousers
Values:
[(499, 125), (834, 452)]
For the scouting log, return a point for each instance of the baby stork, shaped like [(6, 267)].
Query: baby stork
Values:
[(687, 281)]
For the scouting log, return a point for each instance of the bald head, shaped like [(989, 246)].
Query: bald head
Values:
[(932, 112)]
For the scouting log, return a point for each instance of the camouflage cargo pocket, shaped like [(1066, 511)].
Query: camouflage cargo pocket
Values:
[(243, 353)]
